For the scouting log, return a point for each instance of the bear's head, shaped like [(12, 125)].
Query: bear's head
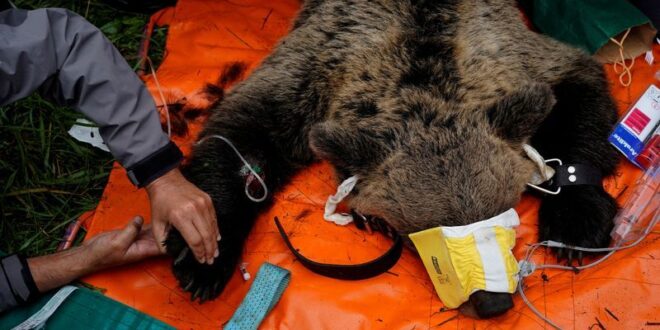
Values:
[(437, 165)]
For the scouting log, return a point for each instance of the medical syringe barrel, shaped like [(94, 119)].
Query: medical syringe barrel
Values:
[(641, 207)]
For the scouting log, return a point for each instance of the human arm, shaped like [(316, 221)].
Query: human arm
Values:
[(20, 278), (69, 60)]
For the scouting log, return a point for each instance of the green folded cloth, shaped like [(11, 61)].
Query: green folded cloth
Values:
[(587, 24), (84, 309)]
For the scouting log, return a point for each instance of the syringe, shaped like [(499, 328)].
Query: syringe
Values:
[(641, 208)]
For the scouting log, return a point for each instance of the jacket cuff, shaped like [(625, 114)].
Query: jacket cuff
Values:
[(155, 165), (17, 286)]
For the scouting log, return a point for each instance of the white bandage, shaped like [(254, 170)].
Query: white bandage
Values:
[(343, 190)]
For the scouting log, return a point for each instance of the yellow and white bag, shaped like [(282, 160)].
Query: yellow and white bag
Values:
[(464, 259)]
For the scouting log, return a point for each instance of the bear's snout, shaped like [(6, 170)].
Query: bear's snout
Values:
[(487, 304)]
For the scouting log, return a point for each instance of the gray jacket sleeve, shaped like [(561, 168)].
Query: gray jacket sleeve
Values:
[(69, 60), (17, 286)]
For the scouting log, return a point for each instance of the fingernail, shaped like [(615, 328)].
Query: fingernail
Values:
[(138, 220), (209, 261), (219, 237), (216, 254)]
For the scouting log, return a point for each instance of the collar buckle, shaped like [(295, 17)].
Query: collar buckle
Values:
[(549, 186)]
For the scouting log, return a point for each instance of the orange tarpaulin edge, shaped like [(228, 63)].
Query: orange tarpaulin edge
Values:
[(203, 37)]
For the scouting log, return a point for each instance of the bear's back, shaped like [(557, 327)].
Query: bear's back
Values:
[(368, 55)]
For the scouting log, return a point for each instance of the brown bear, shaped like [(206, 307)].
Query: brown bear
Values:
[(429, 102)]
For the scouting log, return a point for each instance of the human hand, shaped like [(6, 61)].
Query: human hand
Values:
[(177, 202), (114, 248), (118, 247)]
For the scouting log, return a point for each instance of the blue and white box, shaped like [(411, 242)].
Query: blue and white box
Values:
[(633, 131)]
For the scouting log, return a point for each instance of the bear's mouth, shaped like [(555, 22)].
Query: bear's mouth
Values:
[(371, 223)]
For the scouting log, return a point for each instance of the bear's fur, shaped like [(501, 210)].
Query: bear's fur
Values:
[(429, 102)]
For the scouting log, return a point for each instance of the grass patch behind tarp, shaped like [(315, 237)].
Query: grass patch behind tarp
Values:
[(47, 178)]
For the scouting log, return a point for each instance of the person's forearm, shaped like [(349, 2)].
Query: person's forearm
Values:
[(22, 280), (69, 60), (55, 270)]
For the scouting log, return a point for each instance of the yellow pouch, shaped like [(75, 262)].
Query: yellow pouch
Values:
[(462, 260)]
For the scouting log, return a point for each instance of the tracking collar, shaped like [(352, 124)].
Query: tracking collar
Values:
[(370, 224), (361, 271)]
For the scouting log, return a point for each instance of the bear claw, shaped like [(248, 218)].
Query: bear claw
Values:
[(579, 216), (182, 255)]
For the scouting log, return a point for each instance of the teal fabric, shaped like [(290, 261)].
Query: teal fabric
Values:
[(85, 309), (264, 293)]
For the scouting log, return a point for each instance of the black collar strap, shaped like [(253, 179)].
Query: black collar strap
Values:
[(359, 271)]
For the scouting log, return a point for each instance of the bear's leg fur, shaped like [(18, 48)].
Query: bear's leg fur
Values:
[(576, 131), (267, 118), (218, 171)]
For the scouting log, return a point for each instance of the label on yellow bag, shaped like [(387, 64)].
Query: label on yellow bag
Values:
[(461, 260)]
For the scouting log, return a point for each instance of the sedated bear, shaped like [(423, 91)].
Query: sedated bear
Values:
[(429, 102)]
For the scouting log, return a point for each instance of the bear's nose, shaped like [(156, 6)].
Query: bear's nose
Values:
[(490, 304)]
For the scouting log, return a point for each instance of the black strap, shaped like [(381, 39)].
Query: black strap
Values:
[(577, 174), (353, 272), (155, 165), (573, 175)]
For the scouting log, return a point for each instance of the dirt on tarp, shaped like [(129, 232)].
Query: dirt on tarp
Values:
[(205, 37)]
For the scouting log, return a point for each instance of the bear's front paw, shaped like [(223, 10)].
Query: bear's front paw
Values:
[(578, 216), (203, 281)]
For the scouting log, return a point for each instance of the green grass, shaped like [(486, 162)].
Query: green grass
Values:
[(48, 179)]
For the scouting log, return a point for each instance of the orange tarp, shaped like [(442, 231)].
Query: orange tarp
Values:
[(622, 292)]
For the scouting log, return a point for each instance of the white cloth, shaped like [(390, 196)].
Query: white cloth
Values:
[(343, 190)]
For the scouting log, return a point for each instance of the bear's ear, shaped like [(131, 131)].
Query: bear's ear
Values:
[(518, 115), (349, 148)]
